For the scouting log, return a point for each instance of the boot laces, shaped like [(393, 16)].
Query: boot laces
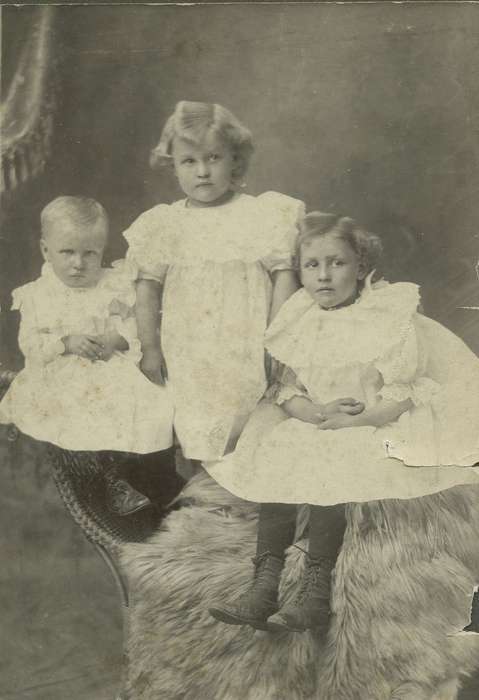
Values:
[(262, 575), (120, 488), (315, 581)]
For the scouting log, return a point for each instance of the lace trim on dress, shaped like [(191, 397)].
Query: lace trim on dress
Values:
[(422, 391), (303, 335)]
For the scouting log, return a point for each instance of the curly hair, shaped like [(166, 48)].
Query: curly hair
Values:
[(367, 246), (192, 121)]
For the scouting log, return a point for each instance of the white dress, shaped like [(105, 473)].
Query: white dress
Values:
[(377, 347), (69, 400), (215, 264)]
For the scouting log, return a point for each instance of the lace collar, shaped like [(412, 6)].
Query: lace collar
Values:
[(303, 334)]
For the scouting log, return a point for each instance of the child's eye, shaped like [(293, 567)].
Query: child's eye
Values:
[(338, 263), (311, 263), (214, 156), (188, 161), (66, 251), (90, 252)]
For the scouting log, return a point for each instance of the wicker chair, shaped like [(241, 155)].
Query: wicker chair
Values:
[(79, 478)]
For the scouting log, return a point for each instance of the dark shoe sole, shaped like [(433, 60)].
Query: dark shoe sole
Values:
[(279, 624), (228, 618), (141, 506)]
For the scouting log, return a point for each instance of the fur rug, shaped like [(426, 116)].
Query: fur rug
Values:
[(402, 591)]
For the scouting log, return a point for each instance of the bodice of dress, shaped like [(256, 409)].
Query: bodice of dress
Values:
[(248, 229), (365, 350), (51, 310), (215, 264)]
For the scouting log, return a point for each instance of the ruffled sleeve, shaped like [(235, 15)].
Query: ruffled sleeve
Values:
[(280, 214), (403, 370), (120, 287), (39, 345), (287, 386), (146, 243)]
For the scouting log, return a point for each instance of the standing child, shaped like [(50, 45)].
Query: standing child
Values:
[(223, 261), (81, 387), (416, 407)]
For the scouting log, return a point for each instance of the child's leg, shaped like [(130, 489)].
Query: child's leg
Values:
[(277, 523), (310, 608), (326, 531), (188, 468), (276, 526), (155, 475)]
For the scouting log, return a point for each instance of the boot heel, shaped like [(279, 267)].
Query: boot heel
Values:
[(259, 602), (310, 608)]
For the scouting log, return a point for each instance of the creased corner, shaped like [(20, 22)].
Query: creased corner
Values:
[(473, 620)]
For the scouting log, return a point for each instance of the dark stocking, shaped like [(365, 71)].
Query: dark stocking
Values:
[(326, 531), (277, 523)]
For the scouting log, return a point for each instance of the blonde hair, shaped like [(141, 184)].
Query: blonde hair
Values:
[(192, 121), (367, 246), (81, 211)]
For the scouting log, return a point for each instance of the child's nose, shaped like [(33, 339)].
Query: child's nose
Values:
[(203, 169), (78, 261), (324, 272)]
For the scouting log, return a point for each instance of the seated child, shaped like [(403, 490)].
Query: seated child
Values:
[(81, 388), (411, 428)]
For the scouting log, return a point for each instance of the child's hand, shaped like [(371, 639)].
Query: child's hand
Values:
[(107, 345), (340, 406), (88, 346), (153, 365), (110, 342), (340, 420)]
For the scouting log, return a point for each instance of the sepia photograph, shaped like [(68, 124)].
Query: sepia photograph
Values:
[(239, 351)]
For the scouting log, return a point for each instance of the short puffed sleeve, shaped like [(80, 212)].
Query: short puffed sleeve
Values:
[(21, 296), (403, 370), (147, 239), (288, 386), (280, 215)]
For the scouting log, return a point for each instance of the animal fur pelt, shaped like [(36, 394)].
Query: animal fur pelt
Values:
[(402, 591)]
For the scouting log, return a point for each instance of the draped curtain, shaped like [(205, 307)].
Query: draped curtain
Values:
[(27, 108)]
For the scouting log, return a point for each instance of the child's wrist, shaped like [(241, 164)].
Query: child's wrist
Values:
[(150, 349)]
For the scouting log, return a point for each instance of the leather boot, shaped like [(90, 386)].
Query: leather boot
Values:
[(260, 600), (310, 608), (121, 497)]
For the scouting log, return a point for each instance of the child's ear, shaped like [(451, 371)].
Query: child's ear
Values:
[(44, 249), (362, 271), (237, 171)]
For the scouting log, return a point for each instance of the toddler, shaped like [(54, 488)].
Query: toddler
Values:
[(81, 387)]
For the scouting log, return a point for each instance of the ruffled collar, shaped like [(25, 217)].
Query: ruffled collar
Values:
[(304, 335)]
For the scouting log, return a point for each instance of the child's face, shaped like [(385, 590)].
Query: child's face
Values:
[(204, 170), (75, 252), (330, 270)]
